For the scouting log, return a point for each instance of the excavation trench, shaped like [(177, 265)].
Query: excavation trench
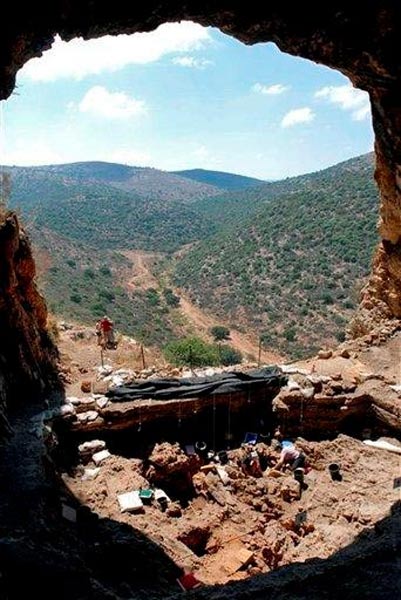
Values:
[(230, 514)]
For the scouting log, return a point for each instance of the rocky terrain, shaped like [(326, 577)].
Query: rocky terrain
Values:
[(246, 525), (107, 559), (224, 520)]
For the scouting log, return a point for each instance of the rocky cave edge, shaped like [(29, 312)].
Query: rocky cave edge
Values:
[(363, 43)]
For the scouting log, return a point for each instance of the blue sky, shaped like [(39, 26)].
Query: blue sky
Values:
[(183, 97)]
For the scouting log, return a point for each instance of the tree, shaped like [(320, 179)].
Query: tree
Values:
[(192, 352), (220, 333)]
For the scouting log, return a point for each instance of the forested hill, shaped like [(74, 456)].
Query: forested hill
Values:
[(289, 257), (221, 179), (74, 201), (144, 181), (234, 206)]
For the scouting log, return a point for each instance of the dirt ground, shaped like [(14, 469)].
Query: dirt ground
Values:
[(248, 526), (231, 526), (81, 357)]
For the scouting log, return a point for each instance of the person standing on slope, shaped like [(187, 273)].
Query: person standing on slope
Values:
[(107, 332)]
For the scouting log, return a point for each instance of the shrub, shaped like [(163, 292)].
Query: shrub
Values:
[(290, 335), (192, 352), (106, 295), (171, 299), (153, 297), (75, 298), (97, 309), (229, 355), (327, 298), (220, 333), (340, 336)]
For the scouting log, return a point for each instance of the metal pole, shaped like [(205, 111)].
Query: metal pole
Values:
[(101, 357)]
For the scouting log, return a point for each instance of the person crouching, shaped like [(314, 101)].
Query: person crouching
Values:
[(291, 457)]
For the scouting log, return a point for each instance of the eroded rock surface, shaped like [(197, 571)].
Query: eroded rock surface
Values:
[(27, 354)]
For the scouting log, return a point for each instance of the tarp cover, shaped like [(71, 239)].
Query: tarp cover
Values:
[(195, 387)]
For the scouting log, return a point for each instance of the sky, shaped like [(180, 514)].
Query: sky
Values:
[(183, 97)]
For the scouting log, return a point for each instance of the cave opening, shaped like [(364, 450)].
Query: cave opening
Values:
[(387, 159), (66, 279)]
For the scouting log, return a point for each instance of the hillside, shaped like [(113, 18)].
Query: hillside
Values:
[(220, 179), (234, 206), (142, 181), (283, 260), (82, 283), (101, 215), (289, 257)]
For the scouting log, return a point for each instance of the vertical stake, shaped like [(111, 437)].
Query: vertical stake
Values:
[(101, 357), (143, 357), (260, 351), (214, 423)]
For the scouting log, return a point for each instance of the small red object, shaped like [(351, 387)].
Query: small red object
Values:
[(188, 582)]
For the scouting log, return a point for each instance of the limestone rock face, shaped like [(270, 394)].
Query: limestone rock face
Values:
[(27, 355)]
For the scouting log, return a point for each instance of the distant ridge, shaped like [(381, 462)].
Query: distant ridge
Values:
[(221, 179), (146, 182)]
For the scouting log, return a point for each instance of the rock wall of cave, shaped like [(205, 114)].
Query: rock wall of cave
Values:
[(361, 41), (27, 354)]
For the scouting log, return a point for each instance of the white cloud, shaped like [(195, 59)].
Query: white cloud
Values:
[(31, 153), (191, 62), (347, 98), (100, 102), (270, 90), (361, 113), (78, 58), (296, 116), (135, 158), (201, 153)]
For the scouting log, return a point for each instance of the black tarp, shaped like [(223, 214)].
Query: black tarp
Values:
[(195, 387)]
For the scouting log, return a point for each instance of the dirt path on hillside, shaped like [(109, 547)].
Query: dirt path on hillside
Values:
[(141, 275), (199, 321), (202, 322)]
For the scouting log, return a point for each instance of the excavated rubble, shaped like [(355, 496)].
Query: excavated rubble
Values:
[(245, 524), (228, 519)]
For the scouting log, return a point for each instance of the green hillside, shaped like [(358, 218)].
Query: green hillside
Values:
[(220, 179), (289, 257), (101, 215), (234, 206), (284, 259), (142, 181), (82, 283)]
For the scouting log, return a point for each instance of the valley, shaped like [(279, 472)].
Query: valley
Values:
[(275, 261)]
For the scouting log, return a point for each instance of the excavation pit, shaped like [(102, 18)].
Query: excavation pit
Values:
[(207, 524), (223, 520)]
